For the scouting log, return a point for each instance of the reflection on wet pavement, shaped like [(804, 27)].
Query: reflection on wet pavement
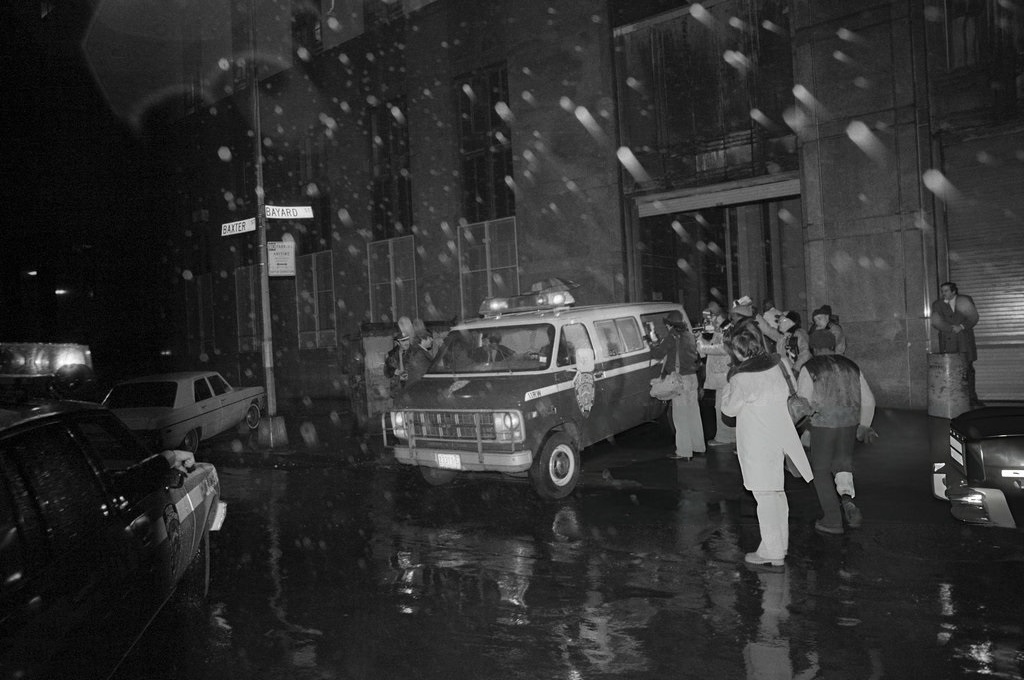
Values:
[(333, 573)]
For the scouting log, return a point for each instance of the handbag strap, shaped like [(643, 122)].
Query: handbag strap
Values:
[(785, 374), (664, 366)]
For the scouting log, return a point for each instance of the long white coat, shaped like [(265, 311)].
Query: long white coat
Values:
[(764, 431)]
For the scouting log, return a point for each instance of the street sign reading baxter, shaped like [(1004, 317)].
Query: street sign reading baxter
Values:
[(280, 212), (239, 227)]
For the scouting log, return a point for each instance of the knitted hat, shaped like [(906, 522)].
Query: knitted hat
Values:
[(824, 309), (675, 319)]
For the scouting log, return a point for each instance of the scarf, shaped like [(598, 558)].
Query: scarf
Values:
[(755, 364)]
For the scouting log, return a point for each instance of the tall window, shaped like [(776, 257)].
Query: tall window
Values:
[(489, 262), (392, 279), (199, 310), (389, 168), (485, 145), (247, 307), (314, 289), (989, 35), (307, 30), (699, 104)]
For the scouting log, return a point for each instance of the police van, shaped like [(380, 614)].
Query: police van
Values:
[(525, 388)]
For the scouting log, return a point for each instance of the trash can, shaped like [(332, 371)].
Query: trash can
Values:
[(947, 385)]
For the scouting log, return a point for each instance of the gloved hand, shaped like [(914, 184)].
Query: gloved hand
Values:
[(866, 435)]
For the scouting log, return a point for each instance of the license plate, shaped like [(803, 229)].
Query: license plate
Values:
[(449, 461)]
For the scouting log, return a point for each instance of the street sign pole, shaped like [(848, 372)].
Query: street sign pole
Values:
[(271, 430)]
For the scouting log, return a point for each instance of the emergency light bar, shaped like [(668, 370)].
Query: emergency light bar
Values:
[(527, 303), (41, 359)]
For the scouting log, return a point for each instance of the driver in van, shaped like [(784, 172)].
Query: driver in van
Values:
[(493, 351)]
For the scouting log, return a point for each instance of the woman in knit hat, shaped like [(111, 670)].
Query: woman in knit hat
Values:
[(826, 335)]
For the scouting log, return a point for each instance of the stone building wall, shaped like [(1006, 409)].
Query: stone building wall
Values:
[(864, 145)]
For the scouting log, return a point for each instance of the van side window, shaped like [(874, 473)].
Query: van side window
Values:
[(574, 337), (658, 320), (629, 331), (608, 338)]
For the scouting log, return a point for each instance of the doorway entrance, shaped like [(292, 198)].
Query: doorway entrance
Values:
[(693, 254)]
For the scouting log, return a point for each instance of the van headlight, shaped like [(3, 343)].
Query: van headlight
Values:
[(508, 426), (398, 423)]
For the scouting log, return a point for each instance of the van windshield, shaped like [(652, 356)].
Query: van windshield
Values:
[(495, 348)]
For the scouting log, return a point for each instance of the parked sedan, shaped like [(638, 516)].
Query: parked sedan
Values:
[(178, 410), (985, 475)]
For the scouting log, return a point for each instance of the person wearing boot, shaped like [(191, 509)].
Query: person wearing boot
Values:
[(844, 408)]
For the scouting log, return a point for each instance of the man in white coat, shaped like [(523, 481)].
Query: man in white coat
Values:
[(756, 395)]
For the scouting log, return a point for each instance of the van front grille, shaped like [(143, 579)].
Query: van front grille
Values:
[(453, 425)]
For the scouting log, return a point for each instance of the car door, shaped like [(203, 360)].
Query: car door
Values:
[(232, 409), (67, 605), (623, 367), (585, 399), (207, 407)]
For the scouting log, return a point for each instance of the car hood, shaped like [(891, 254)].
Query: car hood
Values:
[(991, 421), (473, 392), (150, 418)]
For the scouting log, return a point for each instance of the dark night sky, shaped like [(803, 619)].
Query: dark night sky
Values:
[(80, 193)]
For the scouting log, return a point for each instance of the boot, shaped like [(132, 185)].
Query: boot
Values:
[(852, 514)]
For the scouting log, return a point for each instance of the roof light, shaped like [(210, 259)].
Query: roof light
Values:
[(552, 297), (28, 359)]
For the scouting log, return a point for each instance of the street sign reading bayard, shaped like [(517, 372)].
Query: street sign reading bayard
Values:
[(281, 212)]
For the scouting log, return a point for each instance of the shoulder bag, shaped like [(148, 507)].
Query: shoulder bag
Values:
[(668, 386), (800, 410)]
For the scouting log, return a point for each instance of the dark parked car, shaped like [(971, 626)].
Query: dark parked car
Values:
[(95, 536), (985, 475)]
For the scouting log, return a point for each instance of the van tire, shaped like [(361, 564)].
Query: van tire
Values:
[(437, 476), (556, 470)]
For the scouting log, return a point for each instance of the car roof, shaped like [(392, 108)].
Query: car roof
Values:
[(168, 377), (587, 312), (14, 413)]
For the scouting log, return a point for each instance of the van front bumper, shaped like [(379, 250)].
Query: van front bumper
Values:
[(448, 459)]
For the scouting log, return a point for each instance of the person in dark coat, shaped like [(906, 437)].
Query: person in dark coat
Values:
[(405, 363), (825, 335), (954, 316), (679, 349), (844, 407)]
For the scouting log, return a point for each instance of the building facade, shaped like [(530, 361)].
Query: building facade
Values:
[(854, 153)]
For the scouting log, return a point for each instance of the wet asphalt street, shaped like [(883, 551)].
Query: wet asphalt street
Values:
[(344, 566)]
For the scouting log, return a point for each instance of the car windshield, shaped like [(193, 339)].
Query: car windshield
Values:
[(142, 395), (495, 348)]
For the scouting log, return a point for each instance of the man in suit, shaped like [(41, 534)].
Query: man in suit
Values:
[(954, 316)]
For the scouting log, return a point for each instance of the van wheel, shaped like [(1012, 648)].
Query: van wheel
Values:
[(191, 441), (437, 476), (252, 416), (556, 470)]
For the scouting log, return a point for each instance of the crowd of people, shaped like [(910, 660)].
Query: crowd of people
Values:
[(754, 360)]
